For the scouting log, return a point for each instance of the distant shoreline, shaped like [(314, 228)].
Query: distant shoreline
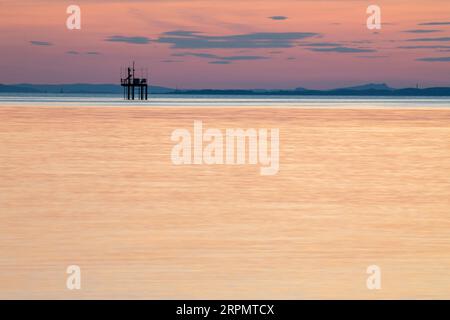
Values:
[(368, 90), (408, 92)]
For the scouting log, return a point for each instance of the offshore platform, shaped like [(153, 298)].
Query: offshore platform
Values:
[(130, 83)]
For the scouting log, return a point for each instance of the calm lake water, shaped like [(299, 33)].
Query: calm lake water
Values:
[(87, 185), (229, 100)]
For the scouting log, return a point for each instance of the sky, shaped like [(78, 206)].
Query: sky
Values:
[(224, 44)]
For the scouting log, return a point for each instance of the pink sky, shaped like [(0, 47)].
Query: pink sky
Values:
[(217, 44)]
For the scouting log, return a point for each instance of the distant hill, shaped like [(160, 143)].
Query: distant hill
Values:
[(18, 89), (363, 87), (79, 88), (431, 92), (370, 86), (371, 89)]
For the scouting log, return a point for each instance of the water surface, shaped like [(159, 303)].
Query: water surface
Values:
[(95, 187)]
